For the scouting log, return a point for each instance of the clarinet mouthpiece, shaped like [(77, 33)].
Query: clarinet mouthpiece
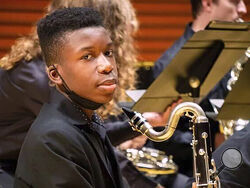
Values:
[(128, 112), (136, 119)]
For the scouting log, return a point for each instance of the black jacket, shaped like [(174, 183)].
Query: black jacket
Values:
[(23, 90), (238, 177), (64, 149)]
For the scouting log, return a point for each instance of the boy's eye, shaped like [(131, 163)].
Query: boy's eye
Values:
[(87, 57), (109, 53)]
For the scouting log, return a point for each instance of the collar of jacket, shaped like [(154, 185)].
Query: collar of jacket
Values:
[(70, 111)]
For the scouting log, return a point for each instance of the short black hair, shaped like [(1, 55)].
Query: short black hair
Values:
[(52, 29)]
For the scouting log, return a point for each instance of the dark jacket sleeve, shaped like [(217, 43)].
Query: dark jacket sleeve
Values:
[(60, 161), (23, 90), (236, 177), (169, 54), (30, 83), (165, 59), (119, 131)]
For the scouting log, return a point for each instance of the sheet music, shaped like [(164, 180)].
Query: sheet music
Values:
[(135, 95)]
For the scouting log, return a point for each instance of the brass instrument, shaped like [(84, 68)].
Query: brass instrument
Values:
[(227, 127), (189, 109), (150, 161), (237, 68), (204, 166)]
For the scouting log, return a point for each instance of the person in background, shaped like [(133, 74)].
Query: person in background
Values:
[(203, 11)]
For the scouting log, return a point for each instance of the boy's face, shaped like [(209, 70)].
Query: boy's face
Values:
[(228, 10), (88, 65)]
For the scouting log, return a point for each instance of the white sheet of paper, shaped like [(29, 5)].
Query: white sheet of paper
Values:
[(217, 102), (135, 95)]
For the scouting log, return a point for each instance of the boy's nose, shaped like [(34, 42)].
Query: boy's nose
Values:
[(104, 65)]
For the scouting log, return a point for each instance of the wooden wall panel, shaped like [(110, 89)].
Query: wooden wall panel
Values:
[(161, 23), (23, 5), (16, 19), (19, 18)]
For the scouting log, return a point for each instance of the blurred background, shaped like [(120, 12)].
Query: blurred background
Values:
[(161, 23)]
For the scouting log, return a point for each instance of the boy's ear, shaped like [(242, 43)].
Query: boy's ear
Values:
[(53, 75), (207, 5)]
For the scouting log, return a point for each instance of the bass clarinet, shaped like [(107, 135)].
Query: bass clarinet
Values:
[(204, 166)]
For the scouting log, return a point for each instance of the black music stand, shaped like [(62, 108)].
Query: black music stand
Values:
[(198, 66)]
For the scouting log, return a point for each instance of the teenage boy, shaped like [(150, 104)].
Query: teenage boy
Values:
[(67, 145)]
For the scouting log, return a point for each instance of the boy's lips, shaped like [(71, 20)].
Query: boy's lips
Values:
[(108, 85), (109, 81)]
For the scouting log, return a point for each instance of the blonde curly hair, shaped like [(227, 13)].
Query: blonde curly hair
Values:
[(119, 18)]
